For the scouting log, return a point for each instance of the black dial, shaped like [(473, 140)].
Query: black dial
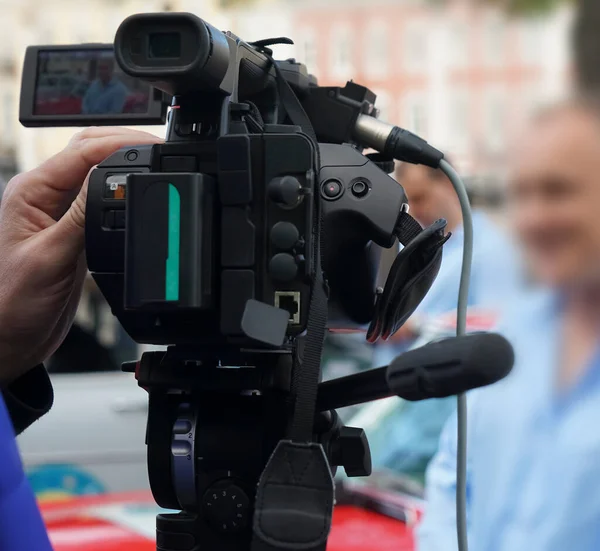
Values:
[(286, 191), (226, 506)]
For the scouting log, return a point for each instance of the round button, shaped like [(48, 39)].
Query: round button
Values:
[(131, 155), (332, 189), (283, 267), (285, 191), (284, 235), (360, 189), (226, 507)]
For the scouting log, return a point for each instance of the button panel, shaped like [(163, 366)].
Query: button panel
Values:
[(227, 507)]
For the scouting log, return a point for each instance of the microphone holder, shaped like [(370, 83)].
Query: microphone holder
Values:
[(354, 389)]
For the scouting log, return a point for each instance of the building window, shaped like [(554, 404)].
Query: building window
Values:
[(459, 119), (342, 41), (531, 42), (414, 113), (458, 44), (415, 47), (377, 49), (494, 40), (494, 112), (307, 50)]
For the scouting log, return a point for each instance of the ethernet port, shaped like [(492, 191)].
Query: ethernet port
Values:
[(290, 301)]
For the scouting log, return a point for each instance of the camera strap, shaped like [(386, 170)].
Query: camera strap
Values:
[(294, 499)]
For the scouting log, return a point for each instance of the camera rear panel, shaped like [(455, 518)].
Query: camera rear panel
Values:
[(246, 206)]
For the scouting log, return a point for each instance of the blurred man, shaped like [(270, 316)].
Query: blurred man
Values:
[(106, 94), (534, 448)]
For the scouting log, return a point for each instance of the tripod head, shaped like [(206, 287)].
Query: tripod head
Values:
[(207, 451)]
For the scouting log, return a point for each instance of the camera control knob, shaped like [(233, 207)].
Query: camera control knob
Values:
[(350, 449), (283, 267), (284, 235), (360, 189), (332, 189), (286, 191), (226, 506)]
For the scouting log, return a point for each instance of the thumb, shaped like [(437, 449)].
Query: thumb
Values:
[(68, 234)]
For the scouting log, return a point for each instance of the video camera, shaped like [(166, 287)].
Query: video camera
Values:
[(253, 228)]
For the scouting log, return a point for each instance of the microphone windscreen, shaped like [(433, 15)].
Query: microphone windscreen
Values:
[(451, 366)]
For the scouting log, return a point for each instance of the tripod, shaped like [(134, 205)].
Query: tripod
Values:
[(210, 433)]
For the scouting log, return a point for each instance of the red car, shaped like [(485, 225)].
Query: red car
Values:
[(367, 518)]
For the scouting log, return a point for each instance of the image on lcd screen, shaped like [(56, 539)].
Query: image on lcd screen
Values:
[(86, 82)]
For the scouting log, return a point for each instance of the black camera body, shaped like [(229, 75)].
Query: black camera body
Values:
[(243, 217), (209, 238)]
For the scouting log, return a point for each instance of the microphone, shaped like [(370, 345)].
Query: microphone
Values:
[(450, 366), (439, 369)]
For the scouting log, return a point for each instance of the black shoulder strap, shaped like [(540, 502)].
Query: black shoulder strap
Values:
[(294, 502), (306, 380)]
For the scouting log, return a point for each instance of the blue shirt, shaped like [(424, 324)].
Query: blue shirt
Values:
[(103, 99), (533, 454), (21, 525)]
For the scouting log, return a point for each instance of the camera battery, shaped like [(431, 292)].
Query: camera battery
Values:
[(168, 242)]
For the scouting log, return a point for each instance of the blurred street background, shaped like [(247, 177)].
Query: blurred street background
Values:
[(467, 75), (460, 73)]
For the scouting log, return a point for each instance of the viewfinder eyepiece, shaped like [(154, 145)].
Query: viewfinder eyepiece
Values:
[(164, 45), (176, 52)]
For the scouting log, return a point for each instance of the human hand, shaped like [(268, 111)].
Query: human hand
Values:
[(42, 260)]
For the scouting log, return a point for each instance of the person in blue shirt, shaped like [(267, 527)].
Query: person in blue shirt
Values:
[(533, 443), (106, 94), (42, 266)]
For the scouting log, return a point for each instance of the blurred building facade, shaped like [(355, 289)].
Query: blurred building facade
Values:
[(462, 76), (459, 74)]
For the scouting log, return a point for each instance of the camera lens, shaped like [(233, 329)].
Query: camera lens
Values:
[(164, 45)]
